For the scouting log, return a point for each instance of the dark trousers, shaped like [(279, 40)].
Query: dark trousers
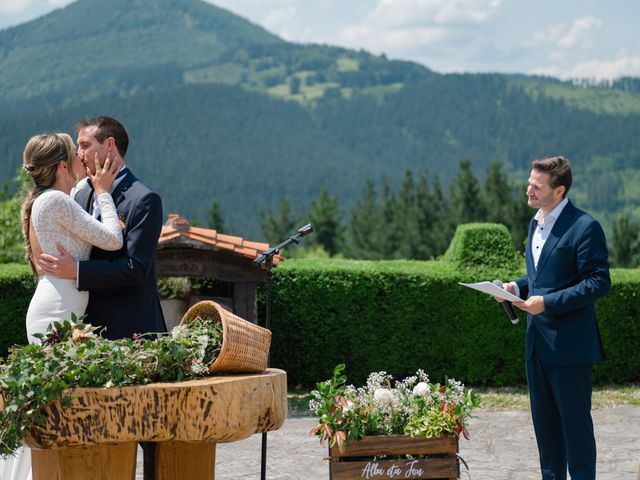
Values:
[(561, 411)]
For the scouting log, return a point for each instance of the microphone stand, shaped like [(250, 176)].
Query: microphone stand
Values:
[(265, 260)]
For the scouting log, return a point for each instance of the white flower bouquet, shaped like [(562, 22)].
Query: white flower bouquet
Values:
[(413, 406)]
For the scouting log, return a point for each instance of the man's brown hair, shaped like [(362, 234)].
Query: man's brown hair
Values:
[(558, 168), (107, 127)]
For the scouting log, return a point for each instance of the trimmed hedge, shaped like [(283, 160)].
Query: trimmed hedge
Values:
[(16, 289), (399, 316), (477, 245)]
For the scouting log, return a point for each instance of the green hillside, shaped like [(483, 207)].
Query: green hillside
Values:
[(218, 108)]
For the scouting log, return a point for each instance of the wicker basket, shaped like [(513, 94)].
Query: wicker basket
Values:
[(245, 346)]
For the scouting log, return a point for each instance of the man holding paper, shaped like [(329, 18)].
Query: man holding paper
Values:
[(567, 271)]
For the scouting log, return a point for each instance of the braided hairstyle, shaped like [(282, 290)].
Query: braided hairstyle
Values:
[(40, 159)]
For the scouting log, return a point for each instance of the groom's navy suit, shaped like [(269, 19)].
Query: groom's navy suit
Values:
[(563, 342), (123, 296)]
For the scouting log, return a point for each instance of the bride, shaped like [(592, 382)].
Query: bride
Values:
[(51, 217)]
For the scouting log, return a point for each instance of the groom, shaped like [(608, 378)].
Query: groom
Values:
[(123, 296), (567, 272)]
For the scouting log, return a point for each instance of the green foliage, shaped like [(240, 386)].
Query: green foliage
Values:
[(399, 316), (356, 116), (412, 406), (482, 245), (625, 245), (466, 205), (16, 289), (396, 316), (11, 240), (326, 217), (174, 287), (72, 355), (277, 227), (215, 219), (12, 195)]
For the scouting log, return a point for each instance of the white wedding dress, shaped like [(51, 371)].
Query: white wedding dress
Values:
[(57, 218)]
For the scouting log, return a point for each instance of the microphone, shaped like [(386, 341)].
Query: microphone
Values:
[(306, 230), (508, 307)]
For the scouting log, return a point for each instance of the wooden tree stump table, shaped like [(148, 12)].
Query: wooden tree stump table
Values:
[(97, 436)]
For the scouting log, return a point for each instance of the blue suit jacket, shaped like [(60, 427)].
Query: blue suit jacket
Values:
[(123, 295), (572, 274)]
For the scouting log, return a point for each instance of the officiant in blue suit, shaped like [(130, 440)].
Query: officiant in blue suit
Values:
[(567, 271), (123, 295)]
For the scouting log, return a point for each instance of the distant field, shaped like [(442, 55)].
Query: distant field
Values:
[(592, 99)]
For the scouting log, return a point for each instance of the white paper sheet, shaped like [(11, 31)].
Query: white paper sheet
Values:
[(491, 289)]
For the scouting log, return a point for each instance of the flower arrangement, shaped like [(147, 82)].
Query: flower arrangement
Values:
[(71, 355), (412, 406)]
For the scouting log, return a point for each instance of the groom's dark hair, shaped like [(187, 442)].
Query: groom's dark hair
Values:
[(107, 127), (559, 170)]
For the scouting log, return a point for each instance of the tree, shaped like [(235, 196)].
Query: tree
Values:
[(363, 231), (390, 234), (294, 85), (497, 195), (279, 226), (406, 219), (215, 219), (326, 218), (506, 204), (466, 204), (432, 219), (625, 248), (12, 194)]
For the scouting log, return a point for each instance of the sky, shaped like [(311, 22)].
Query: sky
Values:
[(595, 39)]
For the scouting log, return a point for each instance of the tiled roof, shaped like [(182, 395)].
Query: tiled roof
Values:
[(177, 229)]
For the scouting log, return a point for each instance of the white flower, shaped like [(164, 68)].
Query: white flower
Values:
[(421, 389), (383, 397), (177, 332), (198, 367), (348, 407)]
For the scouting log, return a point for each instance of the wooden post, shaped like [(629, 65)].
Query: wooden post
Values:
[(102, 462), (185, 461)]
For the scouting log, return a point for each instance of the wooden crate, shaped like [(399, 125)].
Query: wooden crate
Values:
[(431, 458)]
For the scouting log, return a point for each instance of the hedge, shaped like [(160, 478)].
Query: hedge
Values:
[(399, 316), (477, 245), (16, 289)]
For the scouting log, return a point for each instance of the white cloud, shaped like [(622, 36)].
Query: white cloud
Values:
[(280, 21), (407, 13), (14, 6), (623, 64), (579, 34), (398, 27)]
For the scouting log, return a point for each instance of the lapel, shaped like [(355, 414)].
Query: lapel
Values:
[(119, 193), (559, 229)]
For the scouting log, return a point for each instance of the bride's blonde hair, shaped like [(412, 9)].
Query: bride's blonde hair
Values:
[(40, 159)]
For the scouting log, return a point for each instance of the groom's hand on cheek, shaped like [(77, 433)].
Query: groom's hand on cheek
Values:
[(64, 266)]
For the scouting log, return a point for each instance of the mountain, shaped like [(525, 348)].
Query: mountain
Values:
[(218, 108)]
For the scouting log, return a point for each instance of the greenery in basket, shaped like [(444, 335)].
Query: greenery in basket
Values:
[(413, 406), (72, 355)]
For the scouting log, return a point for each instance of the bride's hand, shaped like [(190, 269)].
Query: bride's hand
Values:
[(105, 174)]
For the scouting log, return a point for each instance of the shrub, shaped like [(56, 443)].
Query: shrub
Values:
[(487, 245)]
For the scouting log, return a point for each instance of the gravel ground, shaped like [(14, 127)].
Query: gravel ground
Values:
[(502, 447)]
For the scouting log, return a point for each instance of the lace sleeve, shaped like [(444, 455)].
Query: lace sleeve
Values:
[(105, 234)]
